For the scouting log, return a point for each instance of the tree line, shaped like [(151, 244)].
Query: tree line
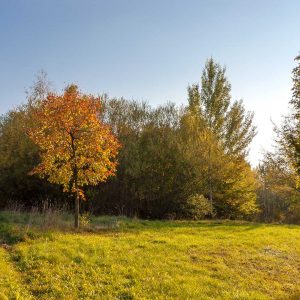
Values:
[(278, 173), (186, 161)]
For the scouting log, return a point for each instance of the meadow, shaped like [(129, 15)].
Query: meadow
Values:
[(42, 257)]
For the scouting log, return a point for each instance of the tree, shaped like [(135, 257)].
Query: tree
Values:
[(278, 195), (230, 124), (288, 136), (41, 87), (18, 154), (279, 172), (77, 149), (212, 170), (215, 97)]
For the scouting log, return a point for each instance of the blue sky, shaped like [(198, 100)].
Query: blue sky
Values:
[(152, 50)]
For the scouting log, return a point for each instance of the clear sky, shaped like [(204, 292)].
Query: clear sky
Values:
[(152, 50)]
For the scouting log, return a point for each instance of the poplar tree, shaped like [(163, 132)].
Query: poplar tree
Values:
[(229, 122)]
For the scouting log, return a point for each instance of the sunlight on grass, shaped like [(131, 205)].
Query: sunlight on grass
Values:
[(133, 259)]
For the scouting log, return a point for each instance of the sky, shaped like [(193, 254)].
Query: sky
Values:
[(152, 50)]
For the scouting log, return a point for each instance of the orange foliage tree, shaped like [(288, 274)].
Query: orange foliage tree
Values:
[(76, 148)]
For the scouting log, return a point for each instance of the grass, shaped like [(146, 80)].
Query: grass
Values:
[(120, 258)]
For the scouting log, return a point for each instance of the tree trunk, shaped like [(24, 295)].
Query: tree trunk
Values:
[(210, 181), (211, 200), (75, 182), (77, 210)]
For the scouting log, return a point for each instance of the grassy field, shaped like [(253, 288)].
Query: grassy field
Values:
[(41, 257)]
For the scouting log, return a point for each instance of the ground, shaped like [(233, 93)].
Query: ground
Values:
[(41, 257)]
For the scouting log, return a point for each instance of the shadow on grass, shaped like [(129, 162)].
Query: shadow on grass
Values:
[(8, 235), (137, 225), (292, 297), (13, 234), (16, 227)]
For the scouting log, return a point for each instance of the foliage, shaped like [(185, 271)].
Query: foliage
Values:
[(289, 132), (279, 194), (76, 148), (85, 219), (18, 155), (197, 207), (168, 157), (168, 153), (221, 132), (151, 170), (229, 122)]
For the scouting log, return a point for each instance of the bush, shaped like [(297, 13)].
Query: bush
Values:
[(196, 207), (85, 220)]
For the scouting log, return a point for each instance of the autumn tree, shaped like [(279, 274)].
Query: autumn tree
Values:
[(76, 147), (227, 121), (213, 171), (170, 160)]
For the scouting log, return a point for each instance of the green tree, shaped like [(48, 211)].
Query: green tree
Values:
[(278, 195), (229, 123), (288, 136), (212, 170), (18, 154), (279, 172)]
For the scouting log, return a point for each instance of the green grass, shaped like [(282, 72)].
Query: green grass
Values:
[(120, 258)]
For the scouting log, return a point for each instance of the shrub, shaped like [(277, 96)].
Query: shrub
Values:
[(196, 207), (85, 220)]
